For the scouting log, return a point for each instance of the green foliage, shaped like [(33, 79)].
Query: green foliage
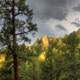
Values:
[(62, 60), (6, 70), (23, 27)]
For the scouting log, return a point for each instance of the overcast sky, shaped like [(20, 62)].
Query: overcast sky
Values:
[(56, 17)]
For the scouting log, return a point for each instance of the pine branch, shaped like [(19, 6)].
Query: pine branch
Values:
[(23, 33)]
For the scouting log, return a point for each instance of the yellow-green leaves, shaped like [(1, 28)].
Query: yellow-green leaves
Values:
[(42, 57), (45, 42), (2, 60)]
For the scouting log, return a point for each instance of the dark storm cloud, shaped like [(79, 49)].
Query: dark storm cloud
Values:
[(55, 12), (57, 9), (51, 9), (45, 9)]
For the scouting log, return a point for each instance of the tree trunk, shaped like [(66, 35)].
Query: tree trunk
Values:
[(15, 66), (15, 60)]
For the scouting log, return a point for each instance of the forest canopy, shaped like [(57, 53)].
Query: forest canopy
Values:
[(49, 58)]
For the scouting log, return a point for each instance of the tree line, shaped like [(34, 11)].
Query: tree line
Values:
[(49, 58)]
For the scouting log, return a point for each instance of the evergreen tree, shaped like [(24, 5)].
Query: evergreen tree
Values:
[(16, 24)]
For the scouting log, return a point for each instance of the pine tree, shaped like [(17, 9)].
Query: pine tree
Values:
[(16, 24)]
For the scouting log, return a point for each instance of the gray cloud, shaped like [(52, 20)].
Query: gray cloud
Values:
[(45, 9), (61, 27), (57, 9), (77, 24), (44, 29), (51, 9), (77, 8)]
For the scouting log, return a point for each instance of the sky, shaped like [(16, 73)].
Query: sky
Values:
[(56, 17)]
